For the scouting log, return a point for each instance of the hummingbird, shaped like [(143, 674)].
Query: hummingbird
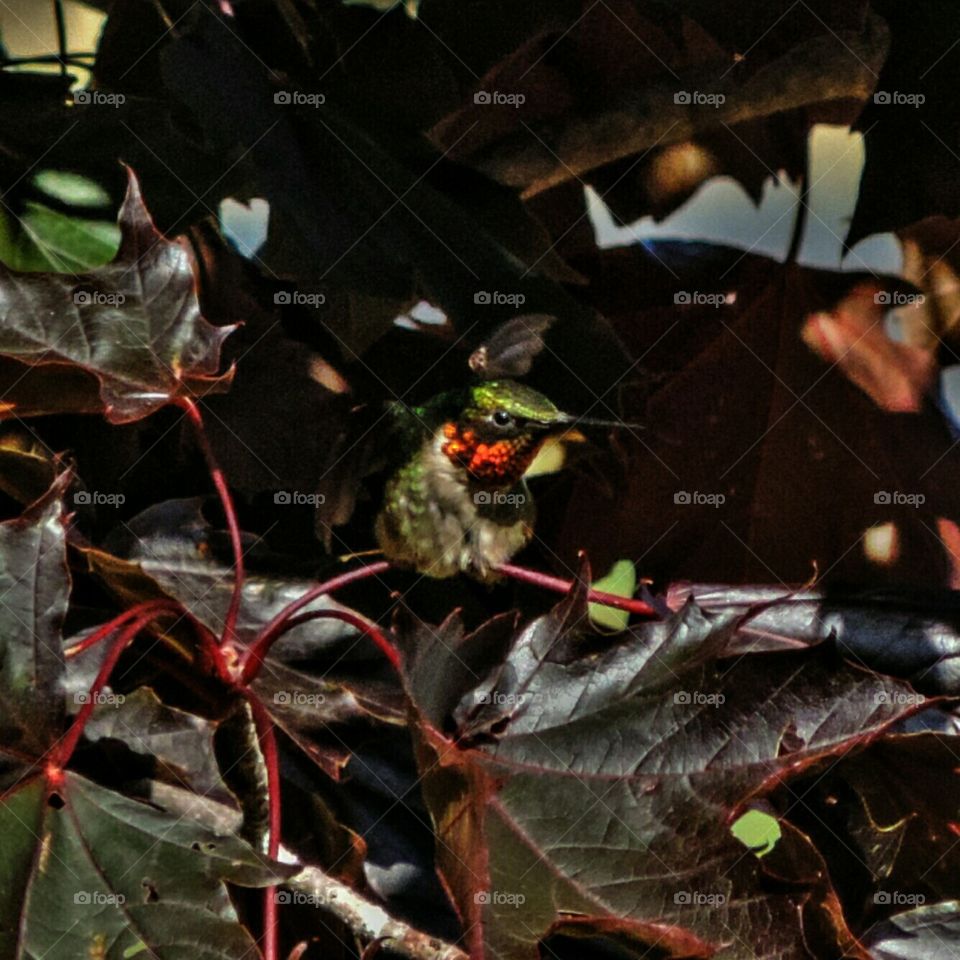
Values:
[(458, 502)]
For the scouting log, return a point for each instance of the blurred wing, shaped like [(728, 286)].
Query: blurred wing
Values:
[(511, 350), (371, 443)]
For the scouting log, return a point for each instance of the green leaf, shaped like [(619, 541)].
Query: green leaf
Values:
[(45, 239), (71, 188), (621, 581), (758, 831), (93, 873)]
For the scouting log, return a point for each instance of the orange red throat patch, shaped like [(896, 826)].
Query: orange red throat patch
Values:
[(498, 463)]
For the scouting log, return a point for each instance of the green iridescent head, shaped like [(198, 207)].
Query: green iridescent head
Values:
[(505, 405), (515, 398)]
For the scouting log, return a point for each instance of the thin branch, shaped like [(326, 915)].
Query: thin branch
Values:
[(347, 616), (61, 36), (546, 582), (219, 481), (61, 754), (73, 59), (268, 746), (257, 653), (151, 606), (211, 654), (800, 218), (369, 921)]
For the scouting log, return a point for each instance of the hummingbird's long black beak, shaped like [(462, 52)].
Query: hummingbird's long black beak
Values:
[(571, 420)]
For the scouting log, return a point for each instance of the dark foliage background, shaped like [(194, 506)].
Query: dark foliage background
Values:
[(769, 770)]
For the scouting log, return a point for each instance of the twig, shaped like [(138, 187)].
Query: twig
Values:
[(61, 754), (369, 921), (61, 35), (800, 219), (269, 634), (347, 616), (153, 606), (268, 746), (545, 581), (216, 474), (209, 651), (73, 59)]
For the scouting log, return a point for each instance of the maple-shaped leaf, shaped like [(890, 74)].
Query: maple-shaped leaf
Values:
[(123, 339), (317, 675), (88, 872), (924, 933), (886, 816), (568, 779), (566, 102), (893, 632), (34, 586)]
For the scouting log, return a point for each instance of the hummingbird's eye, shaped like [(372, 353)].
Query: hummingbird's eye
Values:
[(502, 419)]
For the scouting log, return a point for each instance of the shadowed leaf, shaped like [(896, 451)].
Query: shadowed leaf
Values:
[(93, 871), (34, 589), (134, 325), (578, 777)]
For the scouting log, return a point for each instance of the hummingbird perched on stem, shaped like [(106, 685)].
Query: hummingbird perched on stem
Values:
[(459, 503)]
